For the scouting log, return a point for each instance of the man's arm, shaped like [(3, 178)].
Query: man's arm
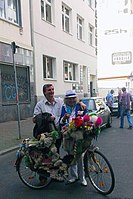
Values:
[(37, 111)]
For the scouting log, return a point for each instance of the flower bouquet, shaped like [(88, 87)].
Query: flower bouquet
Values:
[(79, 132)]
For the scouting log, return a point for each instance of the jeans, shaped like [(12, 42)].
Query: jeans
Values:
[(119, 110), (127, 111)]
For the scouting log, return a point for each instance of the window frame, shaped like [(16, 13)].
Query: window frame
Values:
[(92, 4), (47, 10), (91, 35), (49, 67), (80, 28), (70, 71), (66, 18), (11, 12)]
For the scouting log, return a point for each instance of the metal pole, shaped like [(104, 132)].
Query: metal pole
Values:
[(13, 45)]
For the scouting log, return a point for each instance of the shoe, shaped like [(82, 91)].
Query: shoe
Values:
[(72, 180), (84, 182), (130, 127), (121, 127)]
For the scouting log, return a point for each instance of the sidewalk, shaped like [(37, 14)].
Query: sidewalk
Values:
[(9, 134)]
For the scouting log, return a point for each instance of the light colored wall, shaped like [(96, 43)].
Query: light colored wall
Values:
[(52, 41), (10, 32)]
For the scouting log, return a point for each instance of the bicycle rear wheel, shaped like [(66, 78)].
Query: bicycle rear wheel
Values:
[(35, 179), (99, 171)]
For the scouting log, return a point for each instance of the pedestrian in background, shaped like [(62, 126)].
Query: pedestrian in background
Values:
[(110, 100), (125, 100), (119, 104)]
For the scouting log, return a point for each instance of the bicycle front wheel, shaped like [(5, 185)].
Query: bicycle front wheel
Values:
[(99, 171), (32, 178)]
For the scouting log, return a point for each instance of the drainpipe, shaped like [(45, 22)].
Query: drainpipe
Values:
[(32, 43)]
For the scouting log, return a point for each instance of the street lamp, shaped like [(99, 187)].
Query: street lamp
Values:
[(13, 46)]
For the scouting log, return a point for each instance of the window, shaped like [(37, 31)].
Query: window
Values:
[(48, 67), (47, 10), (92, 3), (70, 70), (79, 28), (91, 35), (90, 103), (65, 18), (10, 10)]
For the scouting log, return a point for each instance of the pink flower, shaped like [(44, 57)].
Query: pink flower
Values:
[(86, 118), (99, 121)]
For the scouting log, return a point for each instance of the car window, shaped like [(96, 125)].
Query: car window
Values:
[(100, 104), (90, 103)]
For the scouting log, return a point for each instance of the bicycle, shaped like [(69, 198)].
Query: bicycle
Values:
[(37, 169)]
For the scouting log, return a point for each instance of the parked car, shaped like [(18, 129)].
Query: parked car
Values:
[(98, 106), (115, 106)]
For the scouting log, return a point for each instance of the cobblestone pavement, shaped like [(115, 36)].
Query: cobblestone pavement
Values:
[(9, 134)]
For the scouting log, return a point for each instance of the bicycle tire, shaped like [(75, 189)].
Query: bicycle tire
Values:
[(99, 171), (31, 177)]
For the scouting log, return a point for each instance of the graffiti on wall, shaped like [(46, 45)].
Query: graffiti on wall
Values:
[(8, 84)]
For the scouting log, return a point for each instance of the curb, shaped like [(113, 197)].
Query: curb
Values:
[(3, 152)]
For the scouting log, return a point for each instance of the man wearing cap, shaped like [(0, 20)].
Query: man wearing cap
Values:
[(71, 109)]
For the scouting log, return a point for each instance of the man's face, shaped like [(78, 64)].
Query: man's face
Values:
[(49, 92)]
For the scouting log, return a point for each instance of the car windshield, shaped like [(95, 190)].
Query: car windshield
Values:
[(90, 104), (99, 104)]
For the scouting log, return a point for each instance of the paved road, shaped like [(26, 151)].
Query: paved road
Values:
[(115, 143)]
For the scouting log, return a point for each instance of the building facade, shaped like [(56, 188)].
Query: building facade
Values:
[(56, 43), (64, 45), (15, 27)]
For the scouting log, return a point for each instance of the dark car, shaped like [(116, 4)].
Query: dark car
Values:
[(98, 106)]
